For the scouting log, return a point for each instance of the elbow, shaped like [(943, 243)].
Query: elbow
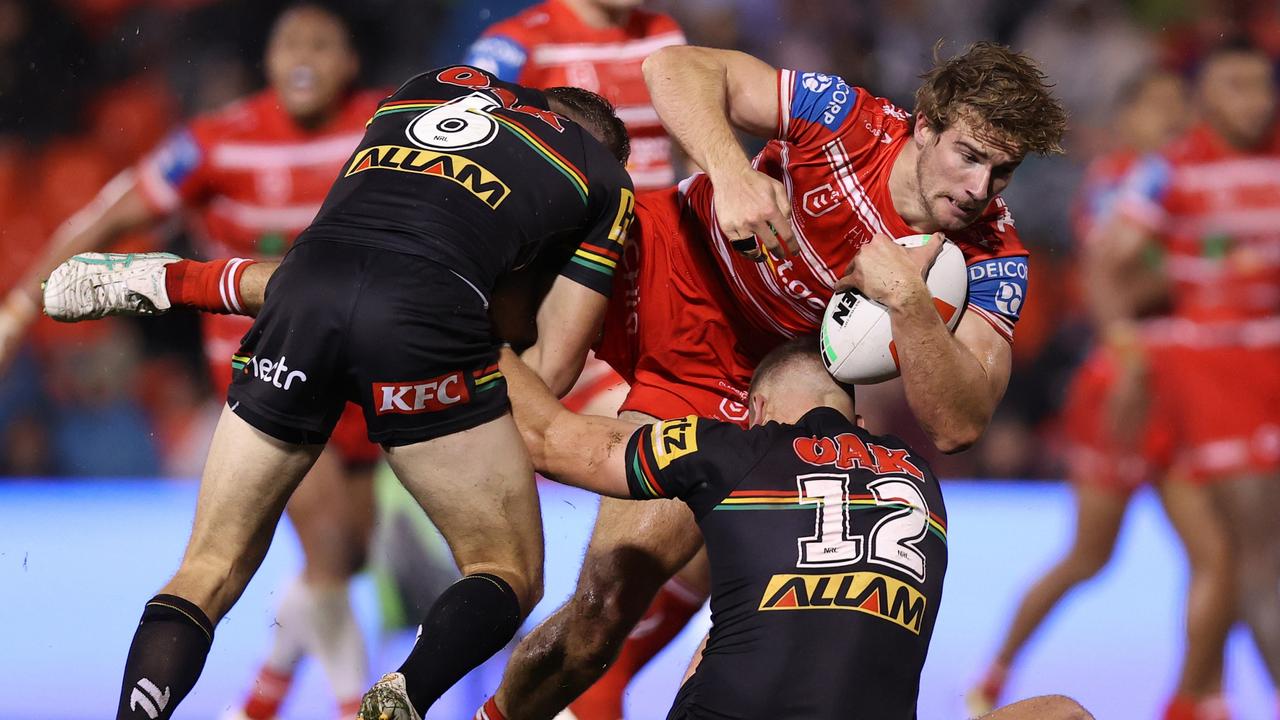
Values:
[(663, 58), (535, 441), (956, 439)]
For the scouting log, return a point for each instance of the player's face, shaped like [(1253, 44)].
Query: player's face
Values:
[(1158, 114), (310, 62), (1239, 97), (958, 172)]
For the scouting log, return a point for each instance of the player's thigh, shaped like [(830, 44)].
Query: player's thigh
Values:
[(1046, 707), (246, 482), (636, 546), (477, 487)]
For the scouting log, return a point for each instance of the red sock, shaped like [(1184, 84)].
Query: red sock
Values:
[(489, 711), (665, 618), (213, 286), (1182, 707), (349, 708), (267, 695)]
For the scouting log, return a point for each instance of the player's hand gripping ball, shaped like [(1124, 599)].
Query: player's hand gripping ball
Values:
[(857, 337)]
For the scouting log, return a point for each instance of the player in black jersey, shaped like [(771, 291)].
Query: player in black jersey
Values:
[(827, 544), (459, 179)]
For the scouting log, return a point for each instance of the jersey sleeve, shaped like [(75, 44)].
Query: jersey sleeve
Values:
[(175, 173), (813, 106), (998, 282), (1144, 192), (612, 207), (695, 459), (500, 54)]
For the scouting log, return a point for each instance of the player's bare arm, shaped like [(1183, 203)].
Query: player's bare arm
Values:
[(568, 321), (953, 382), (585, 451), (117, 209), (702, 95)]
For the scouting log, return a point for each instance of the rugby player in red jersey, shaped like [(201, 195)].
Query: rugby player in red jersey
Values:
[(1112, 450), (691, 315), (1210, 203), (249, 177), (597, 45)]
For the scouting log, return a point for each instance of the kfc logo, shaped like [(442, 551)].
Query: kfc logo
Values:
[(421, 396)]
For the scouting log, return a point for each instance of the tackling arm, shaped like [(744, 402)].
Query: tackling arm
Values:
[(568, 320), (585, 451)]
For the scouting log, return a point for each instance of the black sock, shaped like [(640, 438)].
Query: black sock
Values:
[(470, 621), (166, 657)]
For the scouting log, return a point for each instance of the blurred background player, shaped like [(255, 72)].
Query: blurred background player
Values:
[(1210, 203), (250, 177), (1112, 451), (600, 45)]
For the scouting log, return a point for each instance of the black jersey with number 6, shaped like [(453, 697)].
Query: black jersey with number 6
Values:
[(827, 547), (480, 176)]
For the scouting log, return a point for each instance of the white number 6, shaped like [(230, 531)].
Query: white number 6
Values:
[(457, 125)]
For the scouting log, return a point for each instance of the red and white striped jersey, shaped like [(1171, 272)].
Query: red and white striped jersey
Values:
[(249, 175), (1216, 212), (834, 151), (548, 45)]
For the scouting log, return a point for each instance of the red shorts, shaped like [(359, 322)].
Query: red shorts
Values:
[(672, 330), (1222, 405), (1093, 457), (222, 334)]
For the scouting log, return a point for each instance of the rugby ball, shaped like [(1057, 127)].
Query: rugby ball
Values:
[(856, 336)]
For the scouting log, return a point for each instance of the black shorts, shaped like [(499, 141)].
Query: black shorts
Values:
[(403, 337)]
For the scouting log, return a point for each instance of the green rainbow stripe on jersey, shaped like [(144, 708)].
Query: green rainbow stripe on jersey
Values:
[(238, 362), (487, 378), (640, 468), (545, 151), (548, 153), (790, 500), (400, 106)]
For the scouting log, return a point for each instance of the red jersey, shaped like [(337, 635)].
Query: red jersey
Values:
[(835, 148), (1216, 212), (1099, 191), (548, 45), (251, 177)]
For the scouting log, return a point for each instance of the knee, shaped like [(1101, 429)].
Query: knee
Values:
[(1061, 707), (525, 582), (605, 607), (1083, 565)]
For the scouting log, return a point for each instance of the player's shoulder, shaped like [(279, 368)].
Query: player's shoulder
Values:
[(866, 122), (527, 27), (245, 116), (994, 235), (1110, 168), (650, 23)]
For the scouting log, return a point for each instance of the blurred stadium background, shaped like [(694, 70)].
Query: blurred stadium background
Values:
[(104, 425)]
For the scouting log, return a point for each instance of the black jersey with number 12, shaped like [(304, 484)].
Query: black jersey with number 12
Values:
[(479, 175), (827, 547)]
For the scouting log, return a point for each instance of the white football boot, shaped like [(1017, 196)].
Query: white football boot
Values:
[(388, 699), (94, 285)]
